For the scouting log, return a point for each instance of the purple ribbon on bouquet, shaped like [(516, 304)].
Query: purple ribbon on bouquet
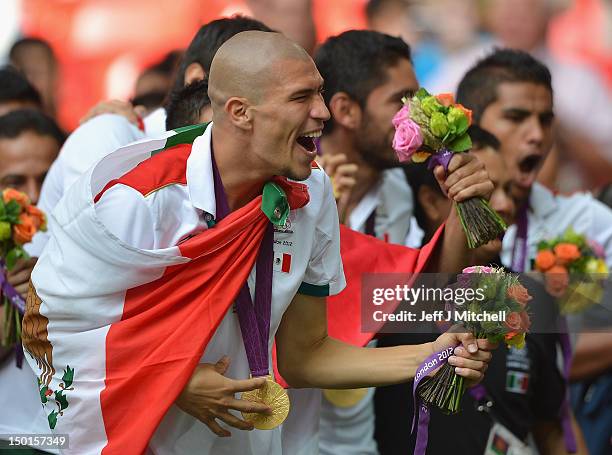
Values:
[(13, 298), (440, 158), (429, 365), (254, 319)]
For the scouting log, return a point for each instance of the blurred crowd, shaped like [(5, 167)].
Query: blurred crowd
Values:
[(446, 38)]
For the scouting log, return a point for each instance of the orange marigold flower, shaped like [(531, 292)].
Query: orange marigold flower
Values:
[(40, 220), (557, 279), (513, 321), (520, 294), (466, 111), (566, 252), (545, 260), (11, 194), (445, 99), (25, 230)]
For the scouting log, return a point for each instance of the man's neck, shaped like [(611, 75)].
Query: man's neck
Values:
[(366, 176), (243, 178)]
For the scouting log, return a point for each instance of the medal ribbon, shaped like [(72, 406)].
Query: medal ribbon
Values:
[(13, 298), (566, 422), (254, 319), (519, 253)]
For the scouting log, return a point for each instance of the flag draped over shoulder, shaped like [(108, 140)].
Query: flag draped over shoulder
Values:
[(366, 254), (114, 332)]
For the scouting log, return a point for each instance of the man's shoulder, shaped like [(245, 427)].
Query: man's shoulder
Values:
[(159, 171)]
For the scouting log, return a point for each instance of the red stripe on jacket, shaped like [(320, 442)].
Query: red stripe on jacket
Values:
[(163, 169)]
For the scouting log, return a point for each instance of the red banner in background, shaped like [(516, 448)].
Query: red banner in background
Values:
[(102, 46)]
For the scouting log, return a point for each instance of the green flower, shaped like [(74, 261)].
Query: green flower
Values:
[(438, 124), (457, 121), (5, 230), (430, 105)]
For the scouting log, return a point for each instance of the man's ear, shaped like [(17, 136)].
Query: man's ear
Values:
[(193, 73), (345, 111), (238, 112)]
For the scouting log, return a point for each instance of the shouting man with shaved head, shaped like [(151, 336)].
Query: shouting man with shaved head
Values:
[(167, 279)]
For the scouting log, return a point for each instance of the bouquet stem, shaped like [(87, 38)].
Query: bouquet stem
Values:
[(480, 222), (444, 390)]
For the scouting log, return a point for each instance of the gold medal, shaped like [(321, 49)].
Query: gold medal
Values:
[(345, 398), (273, 395)]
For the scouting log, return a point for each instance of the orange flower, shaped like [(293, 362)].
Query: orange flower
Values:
[(25, 230), (557, 280), (446, 99), (10, 194), (545, 260), (513, 321), (520, 294), (466, 111), (40, 220), (566, 252)]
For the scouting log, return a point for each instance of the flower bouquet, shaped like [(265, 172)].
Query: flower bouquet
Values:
[(573, 269), (434, 127), (497, 312), (19, 221)]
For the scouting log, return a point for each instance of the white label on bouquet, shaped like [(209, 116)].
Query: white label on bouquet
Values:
[(502, 442)]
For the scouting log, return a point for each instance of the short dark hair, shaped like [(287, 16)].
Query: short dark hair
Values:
[(15, 87), (209, 39), (168, 64), (478, 88), (185, 105), (482, 138), (15, 123), (29, 41), (355, 62)]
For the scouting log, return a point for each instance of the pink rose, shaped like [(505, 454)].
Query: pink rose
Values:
[(403, 115), (597, 249), (407, 139), (479, 269)]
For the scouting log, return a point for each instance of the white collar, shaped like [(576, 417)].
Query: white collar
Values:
[(542, 201), (200, 181), (365, 207)]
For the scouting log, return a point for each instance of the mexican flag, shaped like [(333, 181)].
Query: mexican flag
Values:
[(114, 332)]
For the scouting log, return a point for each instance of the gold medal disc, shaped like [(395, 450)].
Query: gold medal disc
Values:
[(273, 395), (345, 398)]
